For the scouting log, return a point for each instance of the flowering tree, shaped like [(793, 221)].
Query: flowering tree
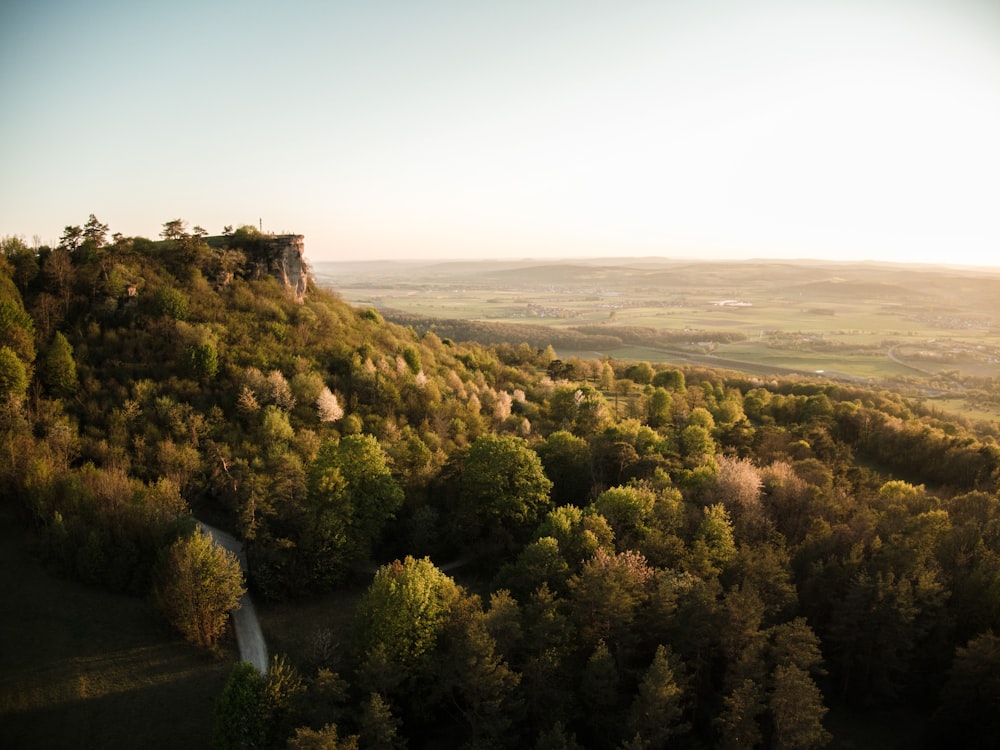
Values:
[(327, 406)]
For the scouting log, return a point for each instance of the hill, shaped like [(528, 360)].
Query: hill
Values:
[(646, 550)]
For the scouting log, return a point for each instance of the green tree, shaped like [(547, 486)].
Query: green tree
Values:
[(282, 688), (379, 728), (797, 710), (714, 547), (17, 329), (254, 709), (173, 230), (503, 620), (170, 302), (404, 611), (641, 373), (275, 429), (738, 724), (547, 678), (352, 494), (697, 445), (71, 238), (628, 511), (658, 410), (672, 380), (557, 738), (539, 562), (658, 708), (876, 628), (566, 459), (578, 534), (200, 583), (95, 233), (58, 369), (59, 275), (325, 738), (471, 677), (504, 492), (239, 721), (600, 690), (23, 260), (13, 374), (606, 596), (201, 360)]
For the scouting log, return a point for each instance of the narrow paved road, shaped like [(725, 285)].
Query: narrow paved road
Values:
[(249, 636)]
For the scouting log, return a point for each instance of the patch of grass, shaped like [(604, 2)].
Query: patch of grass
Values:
[(83, 668), (978, 412), (860, 363)]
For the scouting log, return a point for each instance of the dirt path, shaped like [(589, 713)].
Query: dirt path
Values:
[(249, 636)]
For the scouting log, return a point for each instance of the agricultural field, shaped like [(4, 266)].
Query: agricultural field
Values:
[(931, 331)]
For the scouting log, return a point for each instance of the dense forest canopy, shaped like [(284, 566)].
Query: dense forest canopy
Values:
[(653, 555)]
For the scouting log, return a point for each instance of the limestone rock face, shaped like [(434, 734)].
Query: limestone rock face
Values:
[(288, 264), (279, 255)]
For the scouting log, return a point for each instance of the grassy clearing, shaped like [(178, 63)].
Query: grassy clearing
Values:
[(84, 668), (859, 363), (978, 412)]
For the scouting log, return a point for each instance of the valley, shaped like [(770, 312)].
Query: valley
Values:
[(928, 331)]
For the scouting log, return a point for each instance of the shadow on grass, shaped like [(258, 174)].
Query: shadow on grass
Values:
[(176, 712), (84, 668)]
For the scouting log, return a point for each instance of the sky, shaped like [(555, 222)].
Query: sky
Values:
[(843, 129)]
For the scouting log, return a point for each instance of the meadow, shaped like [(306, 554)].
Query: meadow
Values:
[(82, 667)]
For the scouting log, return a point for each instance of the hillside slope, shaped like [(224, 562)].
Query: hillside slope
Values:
[(655, 552)]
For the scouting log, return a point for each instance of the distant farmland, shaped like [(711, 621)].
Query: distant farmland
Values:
[(932, 331)]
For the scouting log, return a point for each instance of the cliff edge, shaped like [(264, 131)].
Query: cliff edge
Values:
[(287, 263), (279, 255)]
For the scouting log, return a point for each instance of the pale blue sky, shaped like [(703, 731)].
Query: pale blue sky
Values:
[(864, 129)]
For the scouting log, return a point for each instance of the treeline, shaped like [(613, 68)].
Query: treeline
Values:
[(652, 554), (574, 338), (491, 333), (663, 337)]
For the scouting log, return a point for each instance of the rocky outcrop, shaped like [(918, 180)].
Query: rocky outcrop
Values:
[(287, 262), (279, 255)]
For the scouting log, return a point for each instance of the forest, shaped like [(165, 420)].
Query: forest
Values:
[(645, 555)]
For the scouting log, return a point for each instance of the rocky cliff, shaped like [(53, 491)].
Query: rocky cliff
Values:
[(286, 262), (279, 255)]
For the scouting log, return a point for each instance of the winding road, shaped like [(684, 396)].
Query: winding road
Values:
[(249, 636)]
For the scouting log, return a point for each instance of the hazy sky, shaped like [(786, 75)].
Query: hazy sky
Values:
[(841, 129)]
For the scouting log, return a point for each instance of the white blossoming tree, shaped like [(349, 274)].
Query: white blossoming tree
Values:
[(327, 406)]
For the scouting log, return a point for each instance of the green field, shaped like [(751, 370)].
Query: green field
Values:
[(84, 668)]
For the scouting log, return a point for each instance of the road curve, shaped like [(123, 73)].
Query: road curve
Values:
[(249, 636)]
